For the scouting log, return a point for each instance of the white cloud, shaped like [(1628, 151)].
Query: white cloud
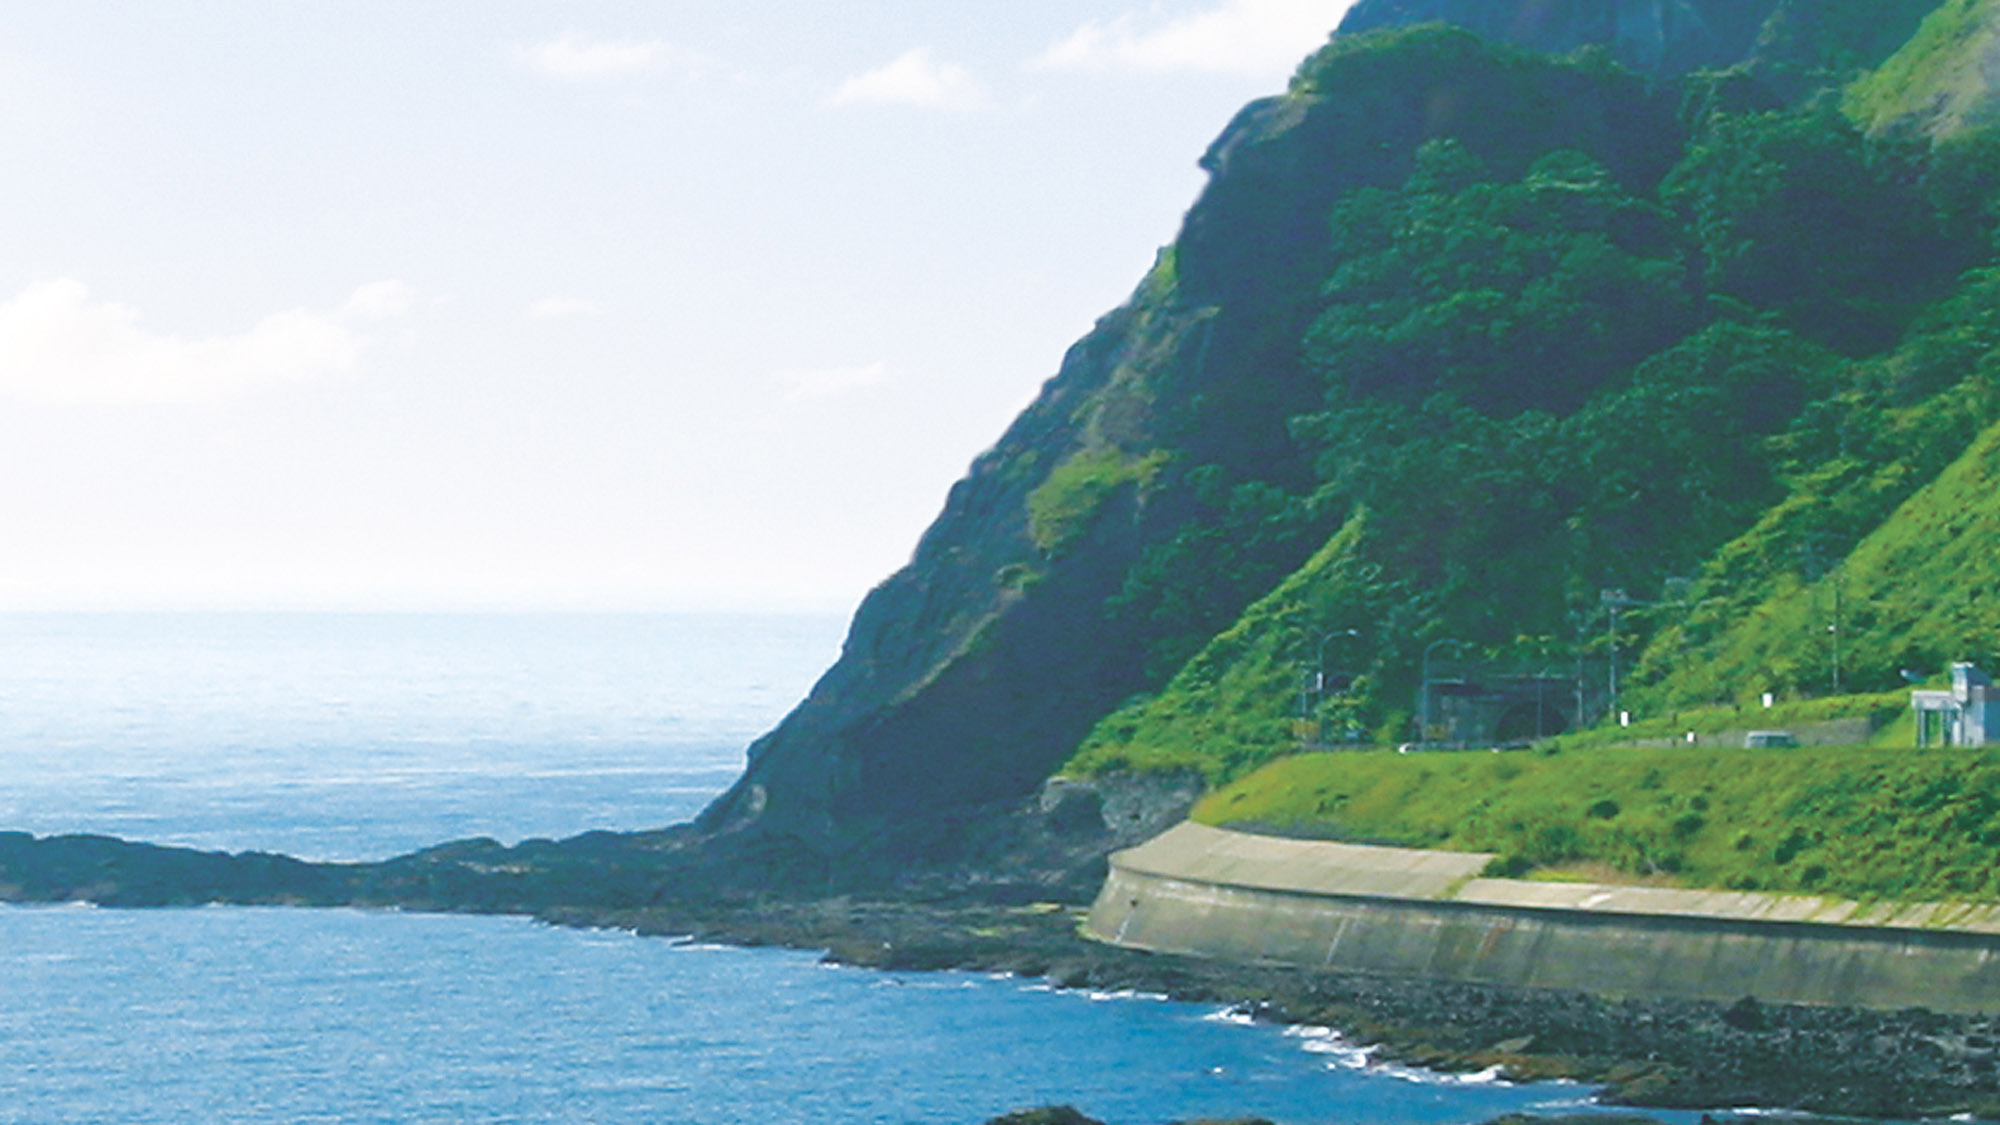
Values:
[(59, 346), (1255, 38), (914, 78), (577, 59), (381, 300), (832, 382), (561, 308)]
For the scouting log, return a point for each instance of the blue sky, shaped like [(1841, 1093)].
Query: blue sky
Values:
[(509, 305)]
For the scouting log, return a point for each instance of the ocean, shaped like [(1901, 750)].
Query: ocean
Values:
[(360, 736)]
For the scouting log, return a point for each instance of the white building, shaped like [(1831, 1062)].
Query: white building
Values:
[(1967, 715)]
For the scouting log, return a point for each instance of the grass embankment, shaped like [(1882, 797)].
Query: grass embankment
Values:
[(1885, 716), (1234, 706), (1859, 822)]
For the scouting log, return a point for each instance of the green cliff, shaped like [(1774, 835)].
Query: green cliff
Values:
[(1460, 334)]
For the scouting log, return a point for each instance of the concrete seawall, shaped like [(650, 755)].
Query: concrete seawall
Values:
[(1209, 892)]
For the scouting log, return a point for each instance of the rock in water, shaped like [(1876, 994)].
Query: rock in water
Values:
[(1046, 1115)]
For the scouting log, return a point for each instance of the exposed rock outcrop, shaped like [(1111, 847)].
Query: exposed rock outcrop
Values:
[(1652, 35)]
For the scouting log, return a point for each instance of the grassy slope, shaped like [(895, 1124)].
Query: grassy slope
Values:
[(1919, 591), (1864, 822), (1233, 706), (1939, 77)]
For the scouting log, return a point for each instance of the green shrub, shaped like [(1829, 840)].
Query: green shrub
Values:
[(1062, 507)]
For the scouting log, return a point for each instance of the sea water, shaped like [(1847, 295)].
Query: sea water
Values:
[(363, 736)]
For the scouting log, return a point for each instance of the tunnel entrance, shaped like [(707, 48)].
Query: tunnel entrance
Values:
[(1528, 721)]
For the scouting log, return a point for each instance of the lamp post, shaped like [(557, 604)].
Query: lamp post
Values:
[(1319, 680), (1319, 659), (1424, 707)]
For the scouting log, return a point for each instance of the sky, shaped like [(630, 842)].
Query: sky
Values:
[(496, 305)]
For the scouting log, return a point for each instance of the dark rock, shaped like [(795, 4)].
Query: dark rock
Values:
[(1046, 1115), (112, 872), (1745, 1015)]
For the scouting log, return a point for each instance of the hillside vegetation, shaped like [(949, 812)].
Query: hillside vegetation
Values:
[(1858, 822), (1940, 81), (1467, 352), (1743, 374)]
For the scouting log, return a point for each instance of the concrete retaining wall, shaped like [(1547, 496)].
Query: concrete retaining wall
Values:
[(1203, 891)]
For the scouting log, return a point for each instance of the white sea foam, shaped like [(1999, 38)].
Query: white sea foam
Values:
[(1566, 1104), (689, 945), (1344, 1053)]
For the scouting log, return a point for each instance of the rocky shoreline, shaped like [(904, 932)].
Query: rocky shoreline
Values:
[(1671, 1054), (1688, 1055), (1068, 1115)]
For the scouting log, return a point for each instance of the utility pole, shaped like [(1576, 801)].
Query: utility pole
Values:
[(1611, 600)]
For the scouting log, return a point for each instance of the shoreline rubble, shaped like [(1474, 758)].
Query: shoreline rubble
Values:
[(1683, 1055)]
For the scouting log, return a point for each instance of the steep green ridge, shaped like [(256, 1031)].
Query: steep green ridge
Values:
[(1922, 589), (1458, 337), (1545, 384), (1790, 45), (1227, 709), (1154, 489), (1941, 81), (1765, 611), (1888, 823)]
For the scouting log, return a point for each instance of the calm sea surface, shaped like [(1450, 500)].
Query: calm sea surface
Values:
[(364, 736)]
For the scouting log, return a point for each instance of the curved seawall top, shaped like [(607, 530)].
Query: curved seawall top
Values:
[(1210, 892)]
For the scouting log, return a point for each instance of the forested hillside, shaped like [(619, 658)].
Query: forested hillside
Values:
[(1460, 336), (1703, 378)]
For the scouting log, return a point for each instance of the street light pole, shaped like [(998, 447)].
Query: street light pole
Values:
[(1319, 661), (1319, 680)]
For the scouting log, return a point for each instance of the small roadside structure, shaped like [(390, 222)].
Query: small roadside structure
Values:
[(1966, 715)]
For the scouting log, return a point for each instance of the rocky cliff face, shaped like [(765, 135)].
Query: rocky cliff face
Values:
[(1675, 36), (1651, 35), (973, 672)]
